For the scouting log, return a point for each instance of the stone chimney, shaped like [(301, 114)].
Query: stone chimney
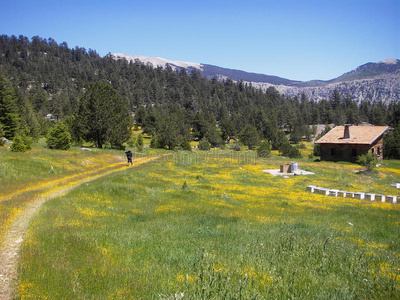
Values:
[(347, 134)]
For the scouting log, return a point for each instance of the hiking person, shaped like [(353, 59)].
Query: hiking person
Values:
[(129, 156)]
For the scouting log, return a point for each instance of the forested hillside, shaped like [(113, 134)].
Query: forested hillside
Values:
[(47, 78)]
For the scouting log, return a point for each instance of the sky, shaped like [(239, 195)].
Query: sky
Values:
[(294, 39)]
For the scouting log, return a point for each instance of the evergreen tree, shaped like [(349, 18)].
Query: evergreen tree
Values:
[(336, 99), (18, 144), (150, 123), (391, 143), (297, 133), (186, 145), (214, 137), (59, 137), (264, 150), (154, 142), (54, 77), (200, 125), (2, 140), (168, 134), (279, 140), (139, 142), (140, 116), (204, 145), (26, 139), (288, 150), (39, 99), (227, 128), (249, 136), (102, 116), (9, 115), (30, 119), (131, 141)]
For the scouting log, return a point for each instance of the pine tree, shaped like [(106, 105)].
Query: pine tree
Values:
[(59, 137), (30, 119), (264, 150), (2, 140), (132, 141), (249, 136), (9, 115), (18, 144), (214, 137), (391, 143), (168, 134), (186, 145), (139, 142), (103, 117), (204, 145)]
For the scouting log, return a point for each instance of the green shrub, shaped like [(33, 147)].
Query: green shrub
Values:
[(139, 142), (59, 137), (132, 141), (288, 150), (302, 146), (204, 145), (367, 160), (154, 142), (317, 150), (249, 136), (18, 144), (264, 150), (27, 140), (285, 148), (186, 145), (236, 147), (295, 152), (391, 143), (2, 140)]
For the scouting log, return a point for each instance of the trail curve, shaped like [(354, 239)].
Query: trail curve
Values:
[(13, 236)]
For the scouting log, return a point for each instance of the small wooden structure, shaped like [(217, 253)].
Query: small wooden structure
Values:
[(289, 168), (284, 168), (346, 143)]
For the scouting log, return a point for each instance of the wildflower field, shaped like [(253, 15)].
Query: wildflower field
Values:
[(213, 225)]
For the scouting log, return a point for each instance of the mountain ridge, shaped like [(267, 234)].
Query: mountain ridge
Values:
[(376, 82)]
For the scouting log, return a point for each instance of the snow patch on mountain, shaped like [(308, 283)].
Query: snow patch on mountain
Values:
[(158, 61), (389, 61)]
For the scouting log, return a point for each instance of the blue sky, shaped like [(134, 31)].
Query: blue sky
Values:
[(294, 39)]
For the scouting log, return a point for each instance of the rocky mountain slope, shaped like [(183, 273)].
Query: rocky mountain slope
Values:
[(376, 82)]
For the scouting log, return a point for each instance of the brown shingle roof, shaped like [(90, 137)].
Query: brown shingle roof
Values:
[(359, 135)]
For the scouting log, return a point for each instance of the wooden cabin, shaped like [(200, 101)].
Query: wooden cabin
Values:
[(345, 143)]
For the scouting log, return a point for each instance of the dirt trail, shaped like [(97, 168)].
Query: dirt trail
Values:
[(13, 237)]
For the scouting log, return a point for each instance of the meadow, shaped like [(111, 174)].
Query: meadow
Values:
[(213, 225)]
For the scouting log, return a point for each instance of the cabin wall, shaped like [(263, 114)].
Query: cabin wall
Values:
[(377, 149), (343, 152)]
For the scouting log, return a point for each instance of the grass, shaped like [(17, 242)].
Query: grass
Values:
[(231, 232), (23, 176), (20, 170)]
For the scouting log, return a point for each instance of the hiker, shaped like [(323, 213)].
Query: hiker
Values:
[(129, 156)]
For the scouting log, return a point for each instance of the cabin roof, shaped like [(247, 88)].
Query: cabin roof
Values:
[(365, 135)]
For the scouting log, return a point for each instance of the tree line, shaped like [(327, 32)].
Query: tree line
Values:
[(51, 82)]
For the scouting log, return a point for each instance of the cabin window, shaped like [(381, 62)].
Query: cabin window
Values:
[(353, 152), (379, 151), (373, 150), (333, 151)]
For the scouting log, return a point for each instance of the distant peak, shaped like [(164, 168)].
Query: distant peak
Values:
[(158, 61), (389, 61)]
